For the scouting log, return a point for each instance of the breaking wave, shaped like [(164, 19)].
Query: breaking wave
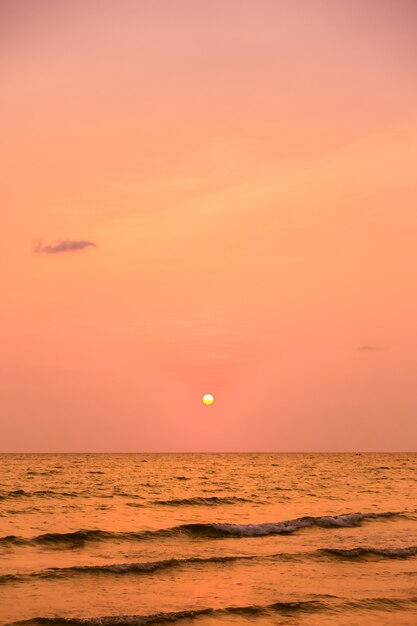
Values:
[(202, 530), (346, 520)]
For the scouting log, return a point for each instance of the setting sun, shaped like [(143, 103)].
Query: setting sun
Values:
[(208, 399)]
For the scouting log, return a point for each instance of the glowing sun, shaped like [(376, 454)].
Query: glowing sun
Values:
[(207, 399)]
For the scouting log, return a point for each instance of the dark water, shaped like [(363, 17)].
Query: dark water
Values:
[(310, 539)]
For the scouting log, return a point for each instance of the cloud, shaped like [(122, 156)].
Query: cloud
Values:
[(67, 245), (368, 348)]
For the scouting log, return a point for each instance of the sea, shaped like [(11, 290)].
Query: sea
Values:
[(204, 539)]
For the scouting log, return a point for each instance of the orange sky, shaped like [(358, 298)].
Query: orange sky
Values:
[(247, 173)]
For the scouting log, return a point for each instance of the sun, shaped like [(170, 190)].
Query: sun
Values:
[(207, 399)]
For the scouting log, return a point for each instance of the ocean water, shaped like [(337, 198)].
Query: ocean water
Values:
[(203, 539)]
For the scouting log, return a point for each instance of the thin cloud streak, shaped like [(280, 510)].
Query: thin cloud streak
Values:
[(67, 245)]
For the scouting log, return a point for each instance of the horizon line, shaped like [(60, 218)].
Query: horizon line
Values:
[(358, 452)]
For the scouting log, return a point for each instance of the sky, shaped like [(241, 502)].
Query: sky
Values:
[(208, 196)]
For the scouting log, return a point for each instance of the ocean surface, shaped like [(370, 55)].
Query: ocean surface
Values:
[(203, 539)]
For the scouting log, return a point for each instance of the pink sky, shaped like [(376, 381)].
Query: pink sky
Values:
[(247, 173)]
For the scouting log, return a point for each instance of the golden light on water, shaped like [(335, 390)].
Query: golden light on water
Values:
[(207, 399)]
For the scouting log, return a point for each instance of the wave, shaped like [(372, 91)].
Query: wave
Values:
[(286, 608), (345, 520), (49, 493), (201, 501), (21, 493), (363, 553), (148, 567), (201, 530), (124, 494), (282, 608), (382, 604), (65, 540)]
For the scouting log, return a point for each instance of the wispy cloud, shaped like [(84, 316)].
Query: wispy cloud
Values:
[(66, 245)]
